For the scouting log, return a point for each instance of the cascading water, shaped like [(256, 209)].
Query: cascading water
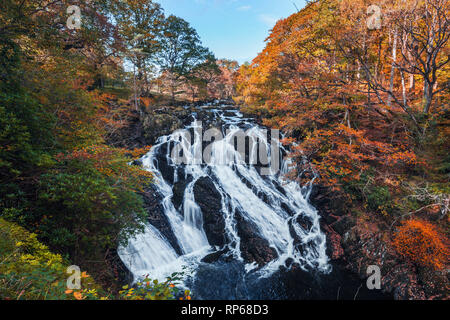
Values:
[(276, 209)]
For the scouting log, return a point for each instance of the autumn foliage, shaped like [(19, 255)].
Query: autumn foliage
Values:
[(364, 110), (332, 86), (420, 242)]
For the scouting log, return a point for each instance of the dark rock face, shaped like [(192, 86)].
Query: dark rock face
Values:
[(343, 225), (364, 248), (178, 191), (357, 244), (131, 136), (145, 127), (167, 171), (119, 271), (157, 218), (304, 222), (328, 204), (253, 247), (215, 256), (210, 201), (161, 123)]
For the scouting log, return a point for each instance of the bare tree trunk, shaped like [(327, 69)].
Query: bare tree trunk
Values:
[(403, 88), (394, 59), (428, 94), (135, 89)]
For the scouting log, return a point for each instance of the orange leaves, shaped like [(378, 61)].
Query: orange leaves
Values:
[(78, 296), (139, 152), (147, 102), (307, 83), (111, 162), (421, 242)]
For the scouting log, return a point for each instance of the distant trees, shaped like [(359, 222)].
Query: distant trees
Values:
[(158, 45), (180, 52), (200, 77), (426, 42), (223, 84), (140, 24), (327, 80), (415, 36)]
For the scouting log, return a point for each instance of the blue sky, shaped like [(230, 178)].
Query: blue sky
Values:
[(233, 29)]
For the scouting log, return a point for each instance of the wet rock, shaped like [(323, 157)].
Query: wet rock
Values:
[(210, 201), (304, 222), (167, 171), (215, 256), (157, 218), (253, 247), (327, 202), (178, 191), (162, 122), (137, 163), (343, 225), (119, 271)]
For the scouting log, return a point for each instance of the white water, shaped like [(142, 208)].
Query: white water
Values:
[(151, 254)]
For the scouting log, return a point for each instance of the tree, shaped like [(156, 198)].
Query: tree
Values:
[(181, 51), (223, 84), (52, 132), (140, 24), (202, 75), (427, 33)]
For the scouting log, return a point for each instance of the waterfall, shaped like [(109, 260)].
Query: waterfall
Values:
[(276, 208)]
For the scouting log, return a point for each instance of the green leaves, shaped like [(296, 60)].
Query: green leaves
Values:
[(148, 289), (181, 50)]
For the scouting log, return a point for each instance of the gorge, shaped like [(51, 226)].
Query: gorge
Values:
[(240, 233)]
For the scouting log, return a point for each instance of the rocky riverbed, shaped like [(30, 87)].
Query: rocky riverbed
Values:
[(351, 245)]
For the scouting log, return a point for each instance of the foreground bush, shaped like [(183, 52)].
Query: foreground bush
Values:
[(29, 271)]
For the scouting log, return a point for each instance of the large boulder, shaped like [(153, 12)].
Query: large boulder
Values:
[(253, 247), (157, 217), (210, 202), (163, 121), (179, 189)]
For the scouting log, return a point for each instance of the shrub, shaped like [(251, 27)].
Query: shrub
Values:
[(148, 289), (28, 270), (379, 198), (420, 242)]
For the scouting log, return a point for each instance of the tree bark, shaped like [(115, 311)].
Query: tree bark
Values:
[(394, 59)]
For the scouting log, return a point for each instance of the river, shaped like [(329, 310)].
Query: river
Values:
[(233, 223)]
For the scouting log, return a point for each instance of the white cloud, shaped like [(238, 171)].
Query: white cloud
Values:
[(244, 8), (268, 19)]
